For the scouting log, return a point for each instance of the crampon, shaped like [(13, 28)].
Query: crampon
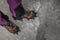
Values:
[(12, 28), (30, 15)]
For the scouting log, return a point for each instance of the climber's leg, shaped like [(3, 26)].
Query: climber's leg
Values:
[(2, 20), (10, 26)]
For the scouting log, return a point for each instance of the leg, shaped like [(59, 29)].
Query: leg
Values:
[(2, 20), (10, 26), (5, 17)]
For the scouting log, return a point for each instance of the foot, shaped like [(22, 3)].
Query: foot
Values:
[(30, 15), (12, 28)]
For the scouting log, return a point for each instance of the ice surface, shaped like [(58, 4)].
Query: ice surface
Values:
[(46, 25)]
